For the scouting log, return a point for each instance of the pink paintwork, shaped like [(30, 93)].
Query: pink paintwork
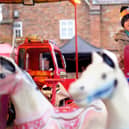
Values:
[(34, 111), (6, 49)]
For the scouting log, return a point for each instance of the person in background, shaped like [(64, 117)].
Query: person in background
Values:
[(122, 37)]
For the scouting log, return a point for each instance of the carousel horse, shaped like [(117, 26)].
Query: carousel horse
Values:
[(34, 111), (103, 79)]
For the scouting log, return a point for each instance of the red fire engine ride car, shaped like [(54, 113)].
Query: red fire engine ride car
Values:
[(44, 61)]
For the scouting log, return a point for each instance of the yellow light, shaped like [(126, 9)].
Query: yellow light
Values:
[(75, 2)]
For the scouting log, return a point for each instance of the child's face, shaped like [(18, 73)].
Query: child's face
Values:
[(126, 25)]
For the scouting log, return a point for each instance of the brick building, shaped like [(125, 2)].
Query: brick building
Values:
[(95, 23)]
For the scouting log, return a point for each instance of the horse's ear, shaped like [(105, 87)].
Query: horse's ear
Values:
[(105, 56), (109, 58), (96, 58)]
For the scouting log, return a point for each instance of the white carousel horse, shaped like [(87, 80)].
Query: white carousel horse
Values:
[(34, 111), (103, 79)]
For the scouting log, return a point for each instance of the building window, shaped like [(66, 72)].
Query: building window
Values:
[(1, 15), (67, 29), (17, 29)]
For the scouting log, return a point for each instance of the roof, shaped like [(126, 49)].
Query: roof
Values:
[(37, 44), (83, 47)]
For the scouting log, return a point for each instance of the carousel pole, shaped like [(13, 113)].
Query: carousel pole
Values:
[(75, 2), (76, 42)]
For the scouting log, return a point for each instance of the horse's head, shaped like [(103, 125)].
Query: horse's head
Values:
[(8, 72), (98, 81)]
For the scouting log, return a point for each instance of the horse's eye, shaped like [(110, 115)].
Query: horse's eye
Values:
[(82, 87), (104, 76)]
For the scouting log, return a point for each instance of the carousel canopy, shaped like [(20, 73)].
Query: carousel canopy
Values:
[(29, 2)]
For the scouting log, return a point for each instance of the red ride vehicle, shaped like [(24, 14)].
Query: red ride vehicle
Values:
[(44, 61), (33, 55)]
